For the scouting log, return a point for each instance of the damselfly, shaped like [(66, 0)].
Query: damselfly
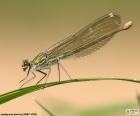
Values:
[(84, 42)]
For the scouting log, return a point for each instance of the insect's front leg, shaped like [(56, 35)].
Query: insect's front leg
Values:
[(26, 75), (29, 79), (23, 79)]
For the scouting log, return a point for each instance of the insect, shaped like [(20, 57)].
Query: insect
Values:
[(84, 42)]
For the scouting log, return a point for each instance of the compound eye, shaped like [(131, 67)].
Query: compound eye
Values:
[(25, 62)]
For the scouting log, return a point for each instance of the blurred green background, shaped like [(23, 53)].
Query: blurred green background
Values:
[(28, 27)]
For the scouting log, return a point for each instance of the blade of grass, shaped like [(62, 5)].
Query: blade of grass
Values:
[(44, 108), (20, 92), (138, 97)]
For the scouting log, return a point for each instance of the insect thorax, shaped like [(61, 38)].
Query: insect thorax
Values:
[(40, 61)]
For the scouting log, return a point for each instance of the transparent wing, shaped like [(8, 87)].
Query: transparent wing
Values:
[(92, 48), (88, 39)]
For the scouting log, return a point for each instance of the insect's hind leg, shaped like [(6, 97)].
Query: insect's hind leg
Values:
[(60, 65)]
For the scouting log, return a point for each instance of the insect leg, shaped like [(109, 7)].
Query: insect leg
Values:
[(48, 74), (29, 80), (45, 74), (58, 70), (65, 71), (26, 75), (47, 77), (23, 79)]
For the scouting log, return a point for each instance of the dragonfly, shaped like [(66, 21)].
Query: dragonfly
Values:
[(84, 42)]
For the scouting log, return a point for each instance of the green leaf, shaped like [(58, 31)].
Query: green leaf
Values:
[(20, 92), (44, 108)]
